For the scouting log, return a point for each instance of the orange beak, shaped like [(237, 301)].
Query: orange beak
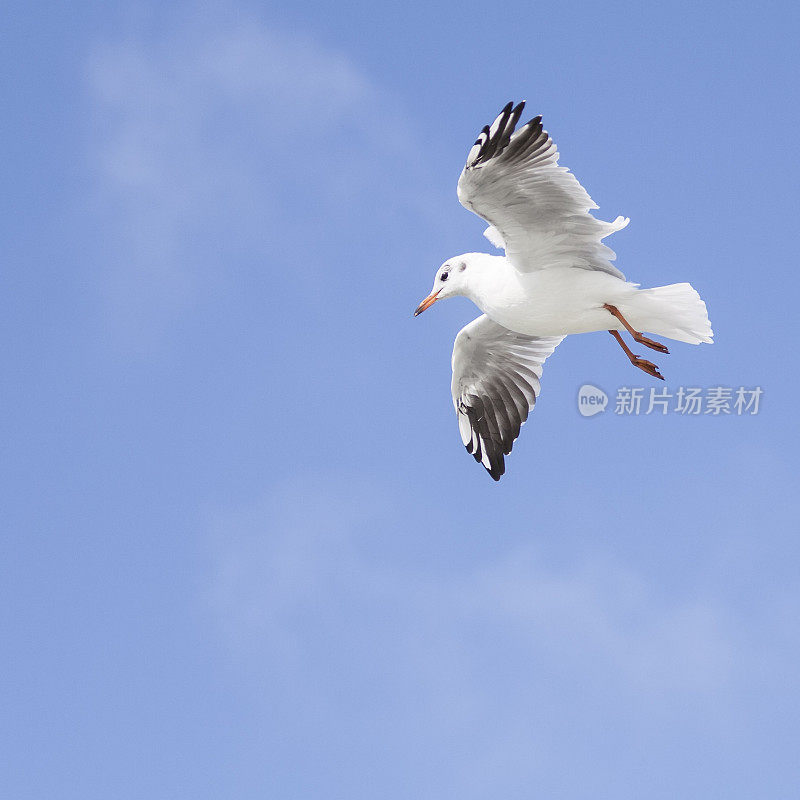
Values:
[(427, 302)]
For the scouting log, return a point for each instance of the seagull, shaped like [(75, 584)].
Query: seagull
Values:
[(555, 279)]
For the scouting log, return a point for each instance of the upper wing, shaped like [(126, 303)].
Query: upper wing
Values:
[(495, 384), (538, 210)]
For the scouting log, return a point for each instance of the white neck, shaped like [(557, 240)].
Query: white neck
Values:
[(490, 277)]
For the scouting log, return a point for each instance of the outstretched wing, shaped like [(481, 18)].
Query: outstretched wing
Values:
[(495, 385), (538, 212)]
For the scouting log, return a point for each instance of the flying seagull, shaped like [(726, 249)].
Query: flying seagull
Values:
[(556, 278)]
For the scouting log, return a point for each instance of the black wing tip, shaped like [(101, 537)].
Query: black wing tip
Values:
[(493, 144), (498, 464), (534, 126), (497, 471)]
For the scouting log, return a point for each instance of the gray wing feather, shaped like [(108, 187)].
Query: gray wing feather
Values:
[(495, 384), (537, 210)]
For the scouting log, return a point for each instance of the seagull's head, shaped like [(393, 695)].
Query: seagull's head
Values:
[(452, 279)]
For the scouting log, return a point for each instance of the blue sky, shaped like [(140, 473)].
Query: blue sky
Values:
[(245, 553)]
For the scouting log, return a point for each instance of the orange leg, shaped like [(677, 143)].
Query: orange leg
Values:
[(648, 366), (653, 345)]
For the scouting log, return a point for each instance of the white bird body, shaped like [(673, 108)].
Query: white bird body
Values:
[(563, 301), (555, 279)]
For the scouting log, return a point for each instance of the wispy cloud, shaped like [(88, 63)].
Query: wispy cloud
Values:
[(222, 141), (511, 659), (276, 560)]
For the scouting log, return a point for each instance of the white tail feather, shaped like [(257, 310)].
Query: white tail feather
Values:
[(675, 311)]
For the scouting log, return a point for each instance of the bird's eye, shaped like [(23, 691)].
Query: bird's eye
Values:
[(443, 276)]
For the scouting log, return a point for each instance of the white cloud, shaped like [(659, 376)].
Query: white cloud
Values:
[(485, 672), (278, 560), (221, 141)]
